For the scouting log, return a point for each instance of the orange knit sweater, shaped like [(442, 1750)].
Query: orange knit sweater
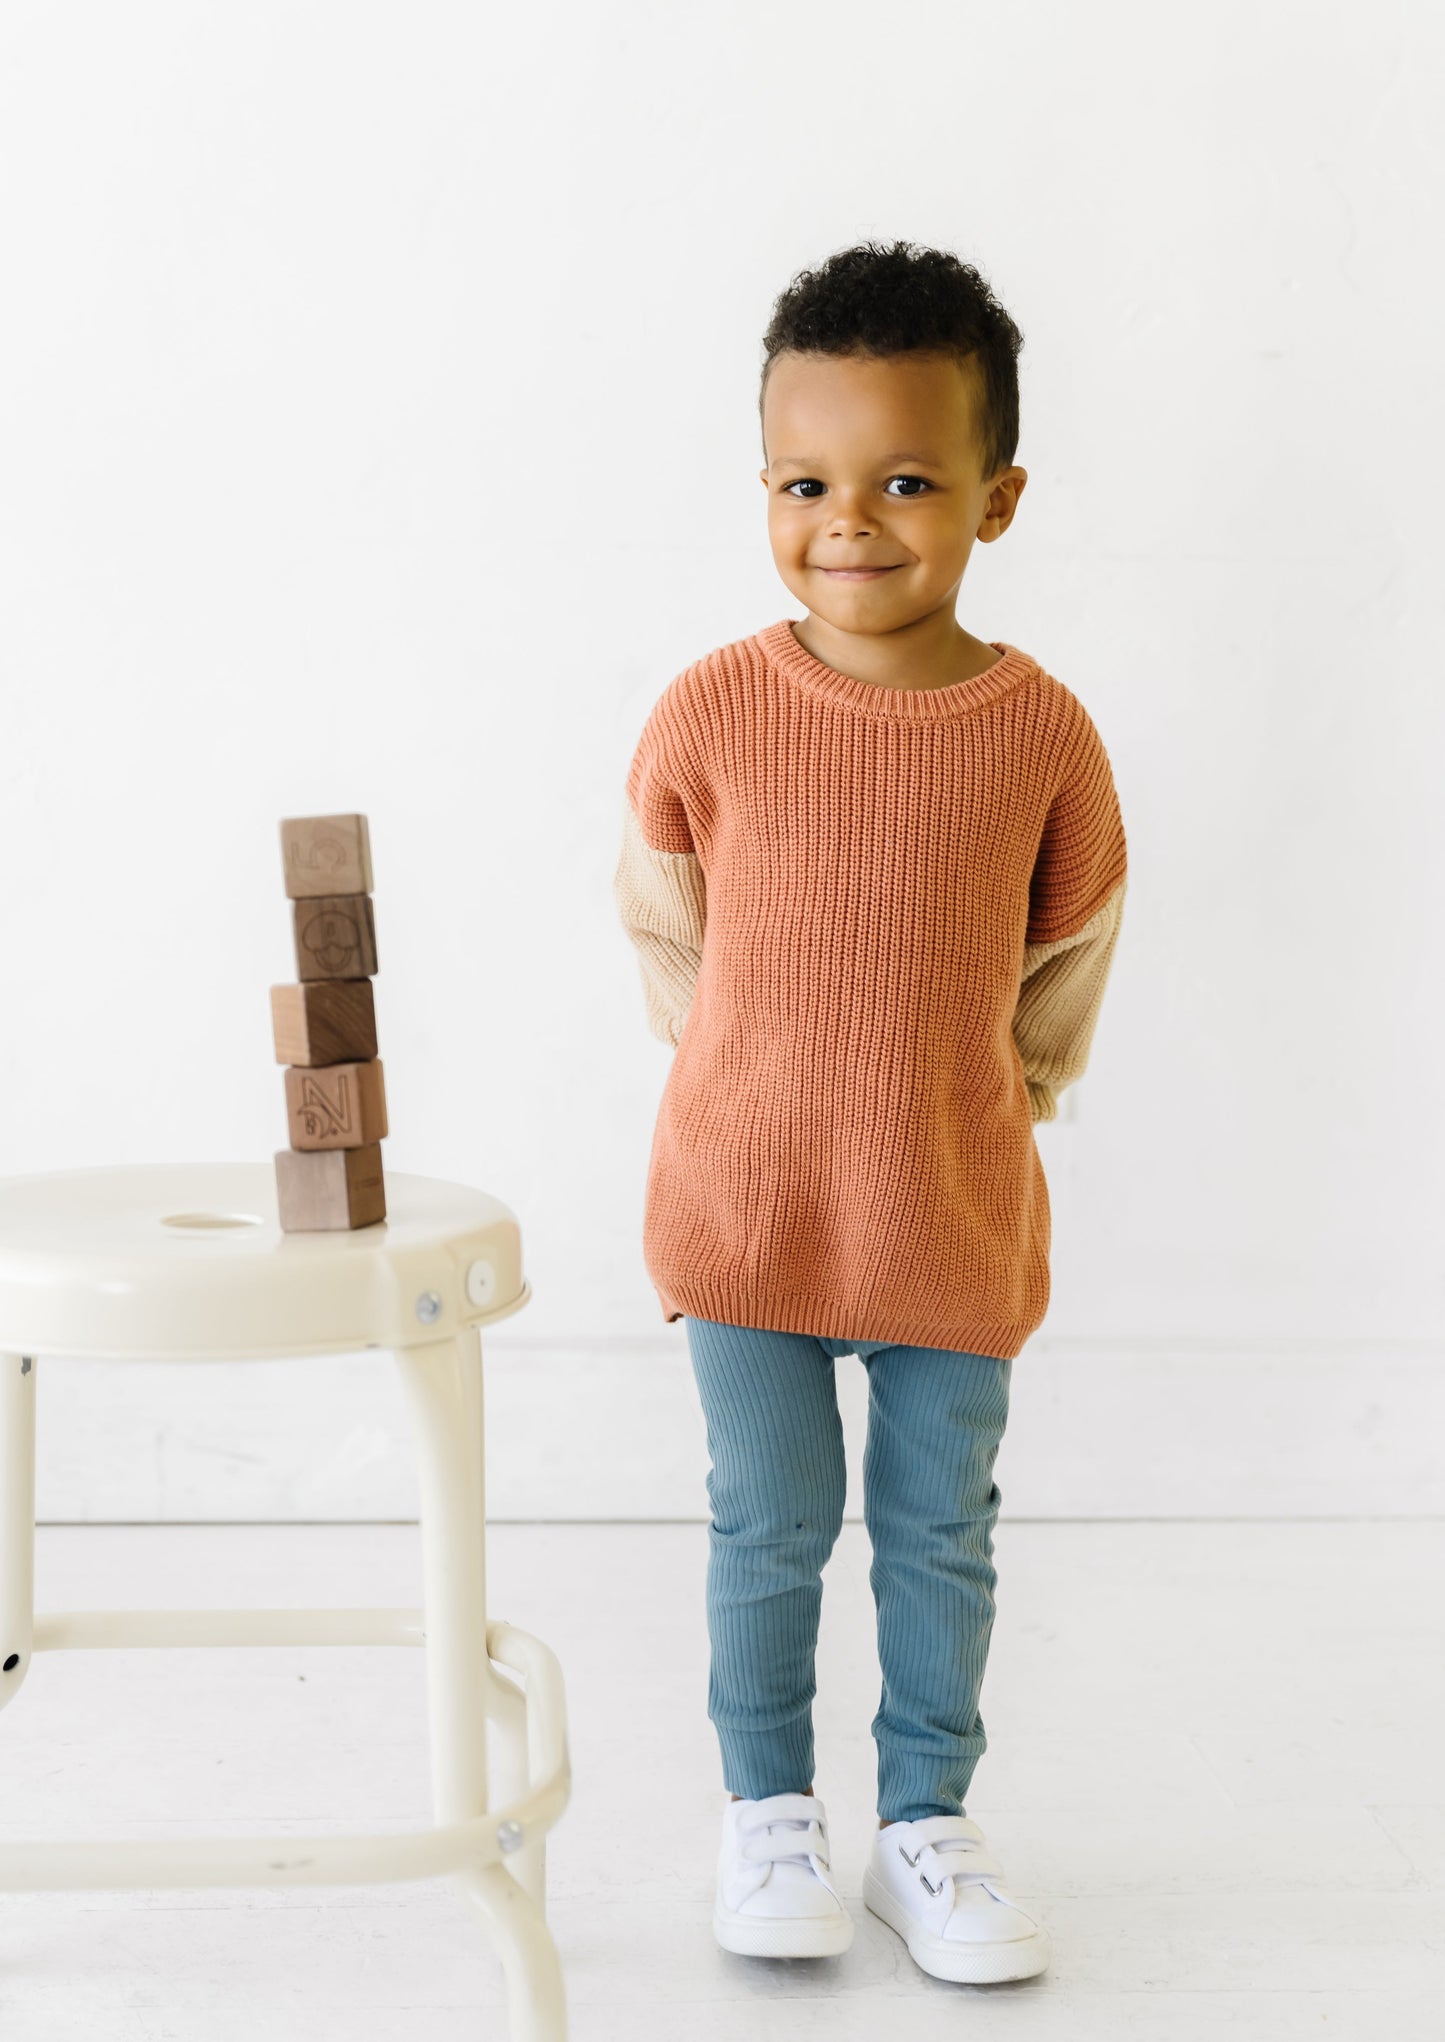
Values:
[(876, 925)]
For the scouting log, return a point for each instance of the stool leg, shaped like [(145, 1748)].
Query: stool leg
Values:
[(512, 1770), (17, 1520), (444, 1387)]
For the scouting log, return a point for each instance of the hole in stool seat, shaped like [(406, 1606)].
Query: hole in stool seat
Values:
[(211, 1219)]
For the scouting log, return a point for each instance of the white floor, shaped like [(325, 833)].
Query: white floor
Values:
[(1214, 1759)]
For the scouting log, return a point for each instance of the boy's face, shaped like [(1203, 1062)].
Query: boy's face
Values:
[(872, 462)]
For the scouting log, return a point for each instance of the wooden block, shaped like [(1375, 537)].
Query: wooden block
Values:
[(335, 937), (322, 854), (342, 1106), (330, 1189), (329, 1021)]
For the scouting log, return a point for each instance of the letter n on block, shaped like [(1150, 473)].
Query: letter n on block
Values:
[(336, 1106)]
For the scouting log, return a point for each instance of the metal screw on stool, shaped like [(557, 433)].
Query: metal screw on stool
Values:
[(428, 1307), (509, 1836)]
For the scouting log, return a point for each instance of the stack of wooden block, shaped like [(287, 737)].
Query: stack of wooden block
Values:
[(325, 1030)]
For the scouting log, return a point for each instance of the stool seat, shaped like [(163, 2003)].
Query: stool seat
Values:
[(188, 1261)]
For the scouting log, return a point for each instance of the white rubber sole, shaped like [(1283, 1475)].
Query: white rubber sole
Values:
[(943, 1957), (798, 1935)]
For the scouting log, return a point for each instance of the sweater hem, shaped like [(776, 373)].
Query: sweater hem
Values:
[(820, 1314)]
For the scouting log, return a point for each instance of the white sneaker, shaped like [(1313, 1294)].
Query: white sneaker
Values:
[(775, 1892), (937, 1883)]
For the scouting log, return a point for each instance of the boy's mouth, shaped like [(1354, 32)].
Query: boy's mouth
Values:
[(855, 573)]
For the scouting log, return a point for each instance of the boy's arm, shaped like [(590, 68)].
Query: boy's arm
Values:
[(659, 886), (1076, 901)]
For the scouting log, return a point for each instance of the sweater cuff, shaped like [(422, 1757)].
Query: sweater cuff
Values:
[(1041, 1102)]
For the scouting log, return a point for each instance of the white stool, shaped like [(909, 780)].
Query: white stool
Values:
[(188, 1263)]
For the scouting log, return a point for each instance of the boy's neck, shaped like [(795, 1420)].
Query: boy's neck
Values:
[(932, 652)]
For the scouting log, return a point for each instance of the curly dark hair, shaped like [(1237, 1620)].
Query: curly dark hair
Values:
[(876, 299)]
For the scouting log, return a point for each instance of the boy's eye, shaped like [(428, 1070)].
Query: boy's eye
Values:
[(811, 482)]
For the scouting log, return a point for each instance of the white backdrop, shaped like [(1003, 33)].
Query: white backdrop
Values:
[(379, 421)]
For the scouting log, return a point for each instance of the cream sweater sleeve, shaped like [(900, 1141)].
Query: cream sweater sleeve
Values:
[(1076, 902), (659, 886)]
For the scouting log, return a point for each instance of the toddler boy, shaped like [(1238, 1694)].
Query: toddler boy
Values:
[(874, 869)]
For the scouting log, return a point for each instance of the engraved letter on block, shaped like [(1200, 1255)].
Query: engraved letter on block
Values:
[(335, 937), (339, 1106), (324, 854)]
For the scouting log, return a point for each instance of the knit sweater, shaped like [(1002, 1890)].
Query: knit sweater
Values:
[(875, 924)]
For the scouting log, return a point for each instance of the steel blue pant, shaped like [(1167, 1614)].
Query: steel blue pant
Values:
[(936, 1416)]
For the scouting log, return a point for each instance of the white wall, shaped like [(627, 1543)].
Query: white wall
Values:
[(379, 432)]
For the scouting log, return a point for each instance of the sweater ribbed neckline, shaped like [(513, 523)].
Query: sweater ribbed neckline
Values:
[(910, 705)]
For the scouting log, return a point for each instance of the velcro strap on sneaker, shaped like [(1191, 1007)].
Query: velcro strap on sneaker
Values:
[(783, 1826), (951, 1847), (785, 1840), (958, 1861)]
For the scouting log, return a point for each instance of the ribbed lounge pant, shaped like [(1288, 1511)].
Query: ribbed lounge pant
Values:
[(935, 1419)]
